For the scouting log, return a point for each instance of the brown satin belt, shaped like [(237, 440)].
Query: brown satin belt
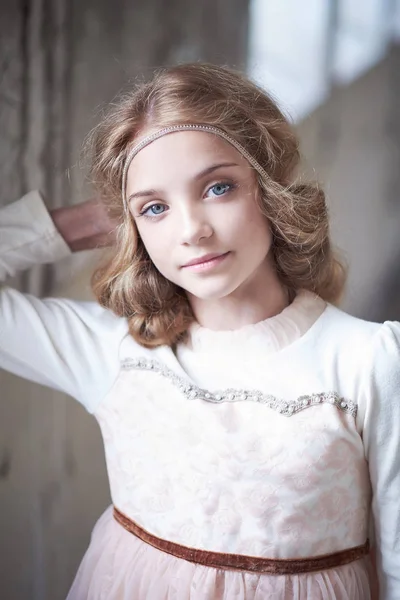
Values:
[(254, 564)]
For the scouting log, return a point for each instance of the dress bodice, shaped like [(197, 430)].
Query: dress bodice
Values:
[(262, 459)]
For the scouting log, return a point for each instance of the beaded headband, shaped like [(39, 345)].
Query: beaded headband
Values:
[(172, 129)]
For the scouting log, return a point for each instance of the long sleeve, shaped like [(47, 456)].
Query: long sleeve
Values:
[(28, 236), (381, 438), (67, 345)]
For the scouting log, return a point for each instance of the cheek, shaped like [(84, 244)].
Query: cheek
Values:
[(253, 229), (157, 246), (150, 242)]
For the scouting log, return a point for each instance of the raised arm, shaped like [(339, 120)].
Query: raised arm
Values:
[(66, 345), (84, 226)]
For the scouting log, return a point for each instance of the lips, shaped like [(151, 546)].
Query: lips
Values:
[(203, 259)]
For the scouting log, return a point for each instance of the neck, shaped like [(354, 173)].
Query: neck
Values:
[(249, 304)]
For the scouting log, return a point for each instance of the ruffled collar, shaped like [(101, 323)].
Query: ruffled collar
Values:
[(271, 335)]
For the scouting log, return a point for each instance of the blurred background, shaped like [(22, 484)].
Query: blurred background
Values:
[(334, 68)]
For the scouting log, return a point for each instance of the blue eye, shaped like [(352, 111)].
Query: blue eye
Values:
[(219, 189), (155, 210)]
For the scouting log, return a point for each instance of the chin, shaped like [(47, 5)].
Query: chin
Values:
[(212, 292)]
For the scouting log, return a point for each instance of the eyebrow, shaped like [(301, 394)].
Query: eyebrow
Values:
[(197, 177)]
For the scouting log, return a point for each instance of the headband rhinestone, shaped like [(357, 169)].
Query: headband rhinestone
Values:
[(186, 127)]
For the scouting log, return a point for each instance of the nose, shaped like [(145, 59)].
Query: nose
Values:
[(195, 226)]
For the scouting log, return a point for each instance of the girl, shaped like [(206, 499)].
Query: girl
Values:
[(251, 428)]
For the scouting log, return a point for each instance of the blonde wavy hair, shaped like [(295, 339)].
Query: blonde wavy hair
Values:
[(157, 310)]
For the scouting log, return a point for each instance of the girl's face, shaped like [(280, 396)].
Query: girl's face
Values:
[(193, 198)]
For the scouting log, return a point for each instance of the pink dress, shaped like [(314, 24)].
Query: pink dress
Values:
[(118, 566), (281, 474)]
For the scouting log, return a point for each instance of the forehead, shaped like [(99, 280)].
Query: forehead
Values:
[(181, 155)]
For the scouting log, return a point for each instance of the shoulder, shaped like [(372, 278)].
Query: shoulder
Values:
[(369, 354), (94, 317), (97, 331), (343, 327), (88, 337), (378, 338), (343, 339), (356, 345), (388, 336), (384, 363), (366, 355)]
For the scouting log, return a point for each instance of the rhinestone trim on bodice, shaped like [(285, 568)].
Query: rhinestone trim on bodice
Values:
[(284, 407)]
